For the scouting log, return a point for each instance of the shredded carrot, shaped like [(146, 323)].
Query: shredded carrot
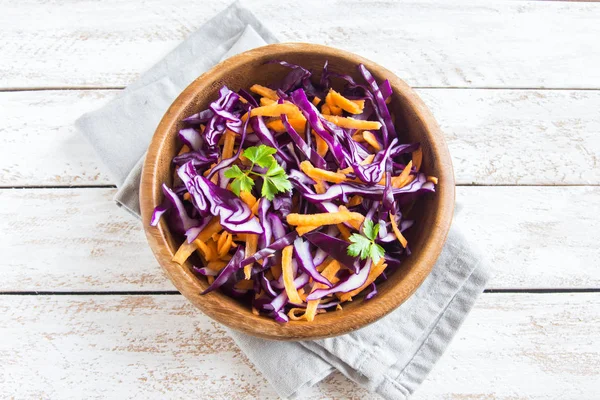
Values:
[(243, 100), (275, 110), (344, 103), (265, 101), (210, 169), (220, 239), (351, 123), (335, 110), (302, 294), (184, 149), (358, 137), (205, 251), (316, 100), (325, 109), (322, 147), (305, 229), (320, 186), (184, 252), (216, 265), (360, 104), (402, 179), (397, 232), (318, 173), (244, 285), (355, 223), (355, 200), (210, 279), (248, 198), (264, 91), (329, 273), (338, 307), (329, 99), (345, 232), (276, 270), (254, 208), (368, 160), (215, 179), (388, 100), (417, 158), (288, 275), (299, 124), (323, 218), (213, 226), (187, 196), (251, 244), (228, 144), (372, 140), (374, 273), (226, 245), (295, 310), (215, 236), (432, 179)]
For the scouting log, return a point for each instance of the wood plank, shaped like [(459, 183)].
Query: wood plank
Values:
[(78, 240), (458, 44), (495, 137), (161, 347)]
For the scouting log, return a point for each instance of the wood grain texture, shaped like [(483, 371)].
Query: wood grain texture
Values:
[(432, 214), (492, 136), (78, 240), (161, 347), (500, 44)]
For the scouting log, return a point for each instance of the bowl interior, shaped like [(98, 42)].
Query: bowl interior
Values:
[(414, 124)]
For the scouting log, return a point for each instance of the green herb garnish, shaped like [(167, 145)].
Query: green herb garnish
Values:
[(364, 245), (275, 180)]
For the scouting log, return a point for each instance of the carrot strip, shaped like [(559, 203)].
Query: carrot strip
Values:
[(323, 218), (417, 158), (288, 275), (320, 186), (264, 91), (368, 160), (251, 243), (358, 137), (345, 232), (344, 103), (432, 179), (316, 100), (329, 273), (299, 124), (205, 251), (356, 223), (397, 232), (213, 226), (265, 101), (401, 180), (305, 229), (374, 273), (184, 252), (372, 140), (360, 104), (248, 198), (325, 109), (322, 147), (226, 245), (318, 173), (187, 196), (184, 149), (351, 123), (275, 110), (210, 279), (355, 200), (228, 144), (254, 208), (244, 285), (335, 110), (388, 100), (216, 265)]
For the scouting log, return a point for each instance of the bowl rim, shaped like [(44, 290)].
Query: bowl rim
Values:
[(215, 304)]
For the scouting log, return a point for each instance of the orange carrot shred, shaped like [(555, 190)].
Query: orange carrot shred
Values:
[(351, 123), (264, 91), (288, 277), (397, 232), (432, 179), (417, 158), (372, 140)]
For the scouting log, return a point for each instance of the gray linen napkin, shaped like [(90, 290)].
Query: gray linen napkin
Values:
[(390, 357)]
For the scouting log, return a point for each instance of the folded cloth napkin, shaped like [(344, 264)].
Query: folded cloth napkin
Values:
[(390, 357)]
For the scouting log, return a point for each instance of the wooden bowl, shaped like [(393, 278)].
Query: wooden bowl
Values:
[(415, 123)]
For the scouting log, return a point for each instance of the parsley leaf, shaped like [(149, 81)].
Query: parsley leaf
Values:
[(364, 246), (275, 180)]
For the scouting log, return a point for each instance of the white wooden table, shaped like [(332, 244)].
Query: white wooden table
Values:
[(85, 311)]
